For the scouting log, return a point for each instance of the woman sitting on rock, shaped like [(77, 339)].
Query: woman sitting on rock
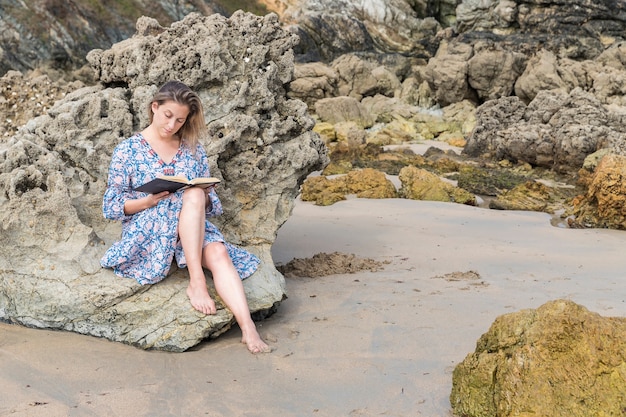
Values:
[(156, 228)]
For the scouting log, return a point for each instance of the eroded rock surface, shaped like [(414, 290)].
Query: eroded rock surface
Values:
[(604, 203), (556, 130)]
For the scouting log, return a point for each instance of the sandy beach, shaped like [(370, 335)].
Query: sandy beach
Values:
[(362, 344)]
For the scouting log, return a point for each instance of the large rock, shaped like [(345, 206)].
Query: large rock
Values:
[(359, 78), (556, 130), (365, 183), (341, 109), (446, 72), (420, 184), (542, 73), (559, 360), (53, 174), (313, 81), (604, 203), (579, 29), (330, 28), (492, 72), (61, 33)]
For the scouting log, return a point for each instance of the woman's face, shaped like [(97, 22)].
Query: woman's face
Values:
[(169, 117)]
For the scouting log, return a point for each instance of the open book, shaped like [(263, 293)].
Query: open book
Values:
[(173, 183)]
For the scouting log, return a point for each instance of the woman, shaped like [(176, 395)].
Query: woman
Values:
[(156, 228)]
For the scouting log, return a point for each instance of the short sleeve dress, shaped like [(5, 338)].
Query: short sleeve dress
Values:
[(149, 241)]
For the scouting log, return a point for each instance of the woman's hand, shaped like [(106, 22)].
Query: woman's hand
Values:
[(149, 201), (153, 199)]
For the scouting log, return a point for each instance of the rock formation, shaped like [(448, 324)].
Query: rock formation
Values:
[(330, 29), (419, 184), (59, 34), (604, 203), (557, 130), (559, 360), (53, 174)]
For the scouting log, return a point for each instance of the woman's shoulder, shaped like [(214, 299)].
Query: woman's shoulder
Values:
[(198, 149), (131, 142)]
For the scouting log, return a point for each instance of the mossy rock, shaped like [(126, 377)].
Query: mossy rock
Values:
[(420, 184), (365, 183), (339, 167), (489, 182), (323, 191), (559, 360), (326, 131), (530, 196), (370, 183)]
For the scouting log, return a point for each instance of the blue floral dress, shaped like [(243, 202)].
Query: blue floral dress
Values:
[(150, 240)]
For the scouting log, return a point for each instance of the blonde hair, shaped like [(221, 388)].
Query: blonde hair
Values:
[(195, 126)]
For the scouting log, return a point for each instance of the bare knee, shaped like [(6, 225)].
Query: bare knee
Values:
[(215, 254), (194, 197)]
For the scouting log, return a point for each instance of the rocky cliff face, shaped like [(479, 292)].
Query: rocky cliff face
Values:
[(59, 33)]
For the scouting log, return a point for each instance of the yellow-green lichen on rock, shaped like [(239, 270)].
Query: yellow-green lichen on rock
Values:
[(323, 191), (370, 183), (529, 196), (364, 183), (420, 184), (559, 360), (604, 203), (397, 131), (326, 131)]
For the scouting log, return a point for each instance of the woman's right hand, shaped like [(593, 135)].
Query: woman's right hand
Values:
[(155, 198), (149, 201)]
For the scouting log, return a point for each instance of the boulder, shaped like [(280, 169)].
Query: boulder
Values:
[(332, 28), (364, 183), (541, 73), (447, 72), (462, 114), (492, 72), (558, 360), (350, 132), (358, 77), (528, 196), (419, 184), (386, 109), (604, 203), (369, 183), (342, 109), (313, 81), (323, 191), (53, 174), (557, 130)]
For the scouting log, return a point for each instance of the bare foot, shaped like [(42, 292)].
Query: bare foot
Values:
[(254, 342), (200, 299)]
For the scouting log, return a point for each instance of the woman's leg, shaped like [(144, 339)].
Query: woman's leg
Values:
[(230, 288), (191, 225)]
